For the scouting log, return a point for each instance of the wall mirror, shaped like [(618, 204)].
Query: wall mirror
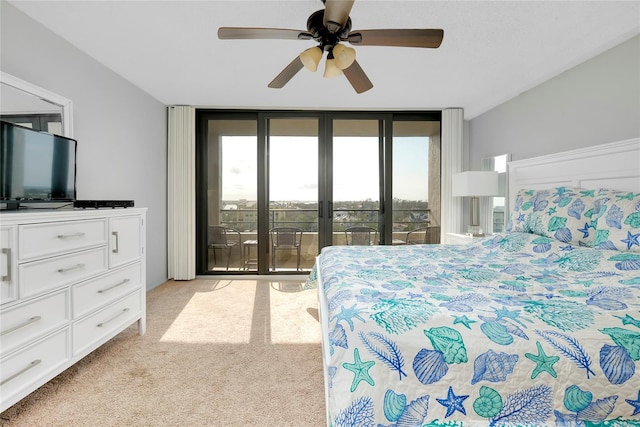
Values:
[(493, 208), (35, 107)]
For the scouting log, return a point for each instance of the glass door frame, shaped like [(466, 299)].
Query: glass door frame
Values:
[(325, 174), (263, 187), (325, 171)]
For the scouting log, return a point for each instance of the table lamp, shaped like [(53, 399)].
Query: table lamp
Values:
[(475, 184)]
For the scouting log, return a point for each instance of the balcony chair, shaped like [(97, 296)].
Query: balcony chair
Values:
[(221, 237), (288, 238), (361, 236), (424, 235)]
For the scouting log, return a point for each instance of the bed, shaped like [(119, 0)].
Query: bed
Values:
[(537, 326)]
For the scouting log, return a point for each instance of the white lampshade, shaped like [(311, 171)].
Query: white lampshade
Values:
[(475, 183), (344, 56), (331, 69), (311, 58)]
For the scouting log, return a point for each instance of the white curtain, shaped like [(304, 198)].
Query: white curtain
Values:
[(452, 162), (181, 251)]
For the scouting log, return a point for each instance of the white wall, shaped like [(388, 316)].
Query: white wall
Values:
[(595, 102), (121, 130)]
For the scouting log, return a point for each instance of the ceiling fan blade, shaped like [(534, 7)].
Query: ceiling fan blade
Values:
[(226, 33), (398, 37), (336, 13), (287, 74), (357, 77)]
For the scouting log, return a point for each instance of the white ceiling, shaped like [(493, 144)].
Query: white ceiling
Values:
[(491, 52)]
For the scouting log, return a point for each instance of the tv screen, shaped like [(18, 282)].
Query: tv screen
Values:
[(36, 166)]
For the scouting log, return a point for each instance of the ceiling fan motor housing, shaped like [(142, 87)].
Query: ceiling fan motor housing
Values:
[(322, 34)]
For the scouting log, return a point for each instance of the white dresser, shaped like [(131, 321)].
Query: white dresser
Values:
[(70, 281)]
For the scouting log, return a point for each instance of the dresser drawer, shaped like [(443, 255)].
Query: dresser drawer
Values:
[(92, 294), (26, 322), (34, 365), (103, 324), (51, 238), (50, 273)]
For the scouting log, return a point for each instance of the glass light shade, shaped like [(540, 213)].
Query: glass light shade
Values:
[(331, 69), (311, 58), (344, 56)]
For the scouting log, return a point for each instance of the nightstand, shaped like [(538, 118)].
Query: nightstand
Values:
[(461, 239)]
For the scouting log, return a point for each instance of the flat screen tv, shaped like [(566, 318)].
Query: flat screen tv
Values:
[(35, 166)]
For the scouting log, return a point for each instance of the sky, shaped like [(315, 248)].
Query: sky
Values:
[(293, 164)]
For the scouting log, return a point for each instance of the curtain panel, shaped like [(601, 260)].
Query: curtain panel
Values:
[(452, 162), (181, 217)]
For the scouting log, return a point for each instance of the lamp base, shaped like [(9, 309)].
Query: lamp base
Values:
[(475, 231)]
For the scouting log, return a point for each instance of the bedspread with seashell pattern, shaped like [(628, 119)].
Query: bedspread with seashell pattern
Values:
[(514, 329)]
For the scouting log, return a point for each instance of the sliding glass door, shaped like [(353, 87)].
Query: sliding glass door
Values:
[(274, 188), (415, 182), (227, 190), (292, 145), (354, 195)]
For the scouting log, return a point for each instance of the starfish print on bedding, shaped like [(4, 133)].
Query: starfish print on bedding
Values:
[(463, 320), (347, 314), (360, 370), (585, 230), (632, 239), (504, 312), (544, 363), (453, 403), (635, 404)]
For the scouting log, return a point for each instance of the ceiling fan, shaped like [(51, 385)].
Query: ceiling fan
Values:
[(329, 27)]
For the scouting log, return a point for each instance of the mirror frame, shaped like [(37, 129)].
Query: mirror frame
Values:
[(45, 95), (486, 204)]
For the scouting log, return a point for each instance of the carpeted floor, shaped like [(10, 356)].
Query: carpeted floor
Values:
[(216, 353)]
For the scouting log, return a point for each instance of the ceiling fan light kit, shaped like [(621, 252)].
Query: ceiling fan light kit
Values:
[(311, 58), (331, 69), (344, 56), (329, 27)]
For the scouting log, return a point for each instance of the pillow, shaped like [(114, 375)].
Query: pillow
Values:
[(562, 213), (618, 220)]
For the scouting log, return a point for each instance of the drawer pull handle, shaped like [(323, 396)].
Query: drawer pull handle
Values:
[(100, 325), (22, 371), (66, 270), (71, 236), (21, 325), (101, 291), (7, 277), (115, 234)]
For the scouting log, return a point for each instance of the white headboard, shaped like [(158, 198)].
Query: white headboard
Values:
[(614, 166)]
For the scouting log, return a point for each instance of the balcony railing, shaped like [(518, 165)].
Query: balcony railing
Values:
[(245, 220)]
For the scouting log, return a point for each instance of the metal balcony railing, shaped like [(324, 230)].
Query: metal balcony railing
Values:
[(245, 220)]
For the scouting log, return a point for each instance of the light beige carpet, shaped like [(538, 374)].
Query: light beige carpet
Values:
[(216, 353)]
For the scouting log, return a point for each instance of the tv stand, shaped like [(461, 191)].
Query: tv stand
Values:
[(71, 281)]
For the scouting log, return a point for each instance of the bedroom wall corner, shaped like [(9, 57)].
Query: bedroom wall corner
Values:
[(593, 103)]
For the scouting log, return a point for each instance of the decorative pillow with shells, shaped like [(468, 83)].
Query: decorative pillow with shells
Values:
[(617, 216), (562, 213)]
